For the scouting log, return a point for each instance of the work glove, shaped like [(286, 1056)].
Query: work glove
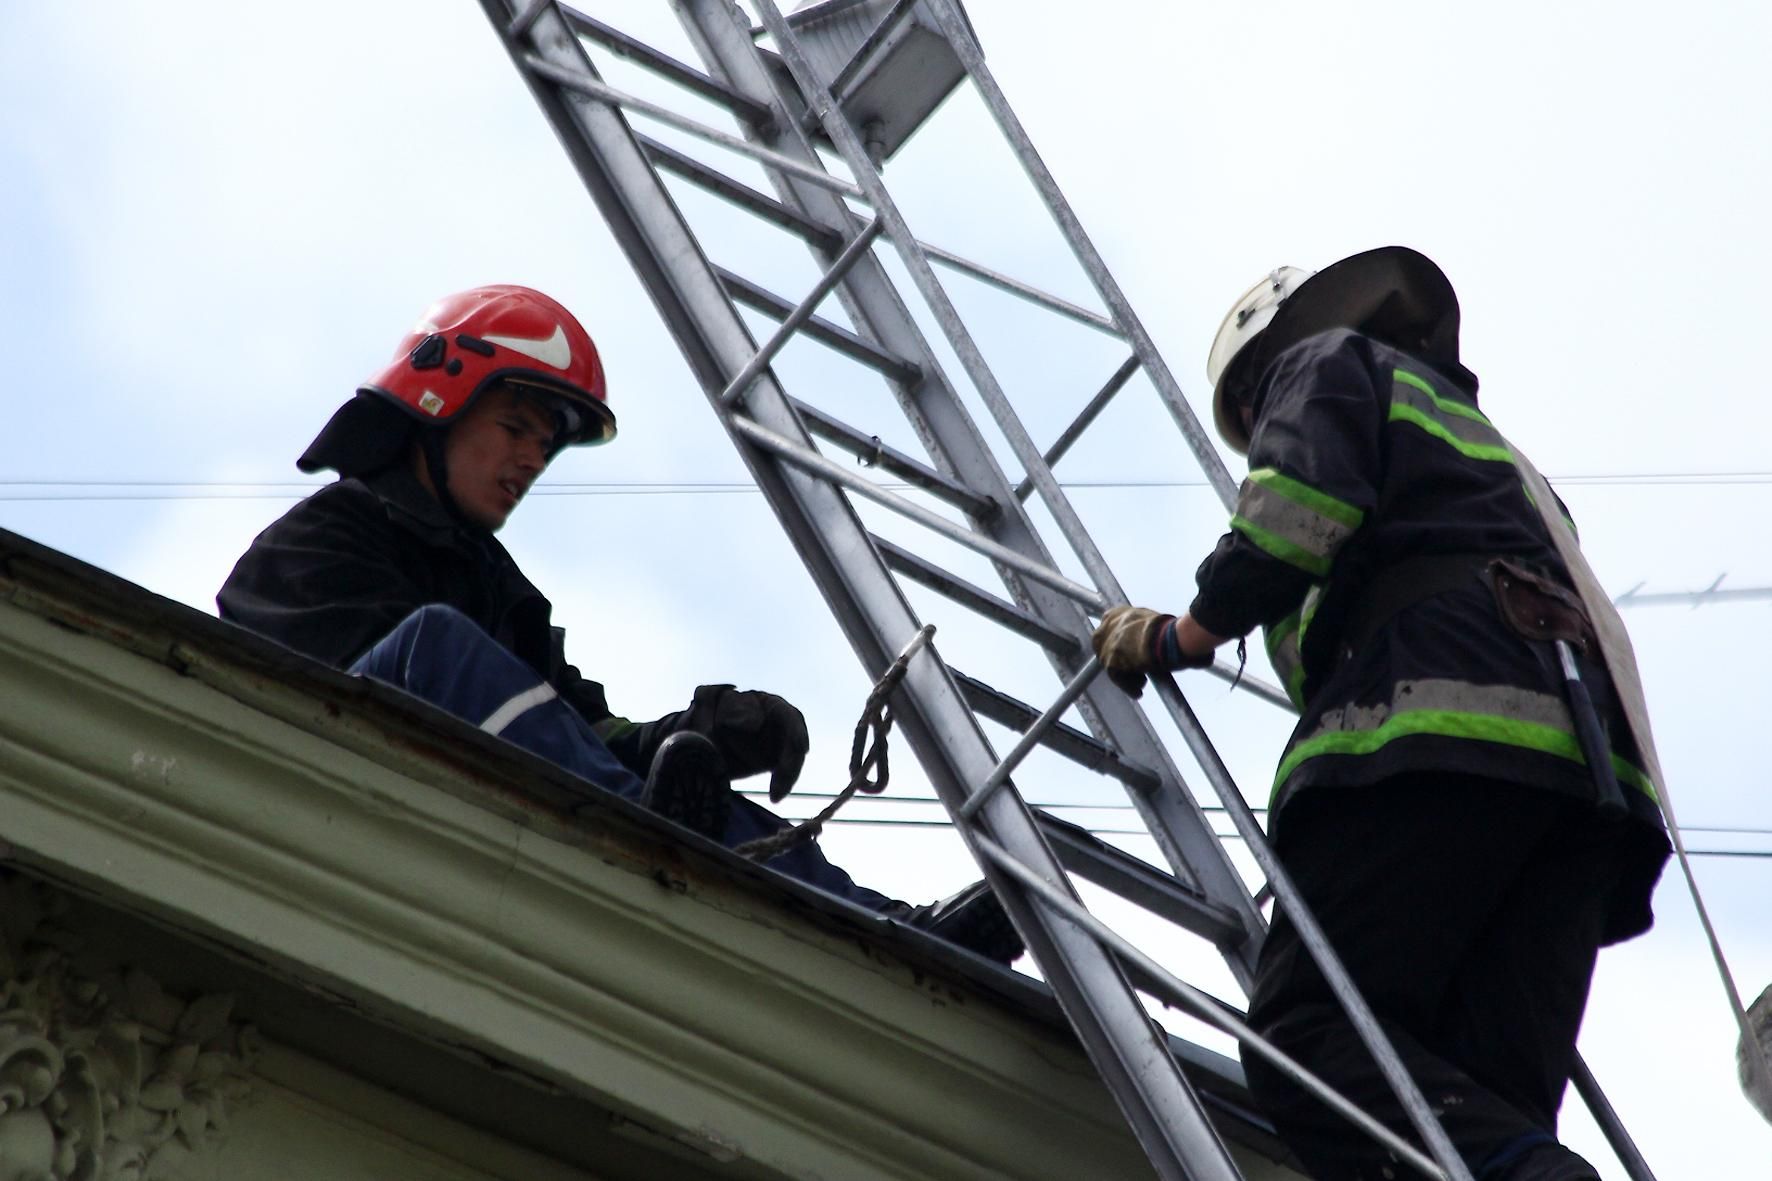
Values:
[(754, 732), (1133, 641)]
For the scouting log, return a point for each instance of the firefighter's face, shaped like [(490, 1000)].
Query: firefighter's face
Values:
[(494, 452)]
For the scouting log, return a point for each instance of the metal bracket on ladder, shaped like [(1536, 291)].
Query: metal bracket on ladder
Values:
[(822, 84)]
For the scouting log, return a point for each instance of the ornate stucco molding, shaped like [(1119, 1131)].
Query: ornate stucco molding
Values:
[(104, 1077)]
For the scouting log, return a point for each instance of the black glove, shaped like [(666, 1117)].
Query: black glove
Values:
[(754, 732)]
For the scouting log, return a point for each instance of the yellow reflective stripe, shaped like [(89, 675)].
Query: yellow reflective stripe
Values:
[(1281, 640), (1452, 709), (1459, 426)]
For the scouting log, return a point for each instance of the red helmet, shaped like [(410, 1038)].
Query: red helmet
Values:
[(464, 344)]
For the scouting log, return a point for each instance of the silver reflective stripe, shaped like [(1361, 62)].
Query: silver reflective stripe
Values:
[(1300, 526), (517, 706), (1459, 426), (1449, 696)]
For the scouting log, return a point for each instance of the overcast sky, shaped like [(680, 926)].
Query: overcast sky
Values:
[(220, 217)]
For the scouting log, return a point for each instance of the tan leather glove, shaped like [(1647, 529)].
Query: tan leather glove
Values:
[(1126, 642)]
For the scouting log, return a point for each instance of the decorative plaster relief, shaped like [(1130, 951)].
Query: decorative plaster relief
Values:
[(107, 1077)]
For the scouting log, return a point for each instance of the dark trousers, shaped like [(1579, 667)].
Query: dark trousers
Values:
[(1469, 913), (440, 655)]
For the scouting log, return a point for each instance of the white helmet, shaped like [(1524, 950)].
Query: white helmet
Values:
[(1393, 293), (1248, 317)]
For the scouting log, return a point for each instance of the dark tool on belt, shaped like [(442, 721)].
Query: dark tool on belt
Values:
[(1540, 609)]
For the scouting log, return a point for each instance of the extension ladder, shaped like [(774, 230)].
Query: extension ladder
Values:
[(853, 79)]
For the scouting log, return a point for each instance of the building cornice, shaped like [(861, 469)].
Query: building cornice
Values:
[(435, 880)]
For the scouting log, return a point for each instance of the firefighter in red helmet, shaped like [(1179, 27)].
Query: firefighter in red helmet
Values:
[(393, 572)]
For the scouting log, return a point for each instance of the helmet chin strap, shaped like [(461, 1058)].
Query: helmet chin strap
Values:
[(430, 444)]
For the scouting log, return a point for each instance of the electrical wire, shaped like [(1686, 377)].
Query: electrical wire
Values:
[(114, 490), (871, 822), (1731, 830)]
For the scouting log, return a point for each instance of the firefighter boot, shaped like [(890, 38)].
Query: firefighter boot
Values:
[(972, 919), (687, 784)]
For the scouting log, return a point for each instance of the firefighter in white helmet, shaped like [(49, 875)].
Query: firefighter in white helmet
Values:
[(1468, 824)]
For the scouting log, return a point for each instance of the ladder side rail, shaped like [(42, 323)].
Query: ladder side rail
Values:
[(1180, 828), (965, 46), (1310, 934), (1124, 1043), (1613, 1128)]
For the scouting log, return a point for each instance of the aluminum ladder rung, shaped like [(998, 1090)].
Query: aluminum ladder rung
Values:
[(811, 462), (1027, 291), (791, 323), (871, 452), (1139, 882), (584, 84), (1081, 423), (1081, 748), (761, 204), (993, 278), (837, 337), (976, 599), (621, 45)]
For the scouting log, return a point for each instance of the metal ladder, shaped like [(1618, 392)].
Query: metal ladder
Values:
[(853, 79)]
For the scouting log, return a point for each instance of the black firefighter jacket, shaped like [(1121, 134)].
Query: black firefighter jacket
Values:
[(339, 570), (1376, 493)]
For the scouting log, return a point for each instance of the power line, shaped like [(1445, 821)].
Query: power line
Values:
[(1115, 806), (869, 822), (895, 798), (148, 490)]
